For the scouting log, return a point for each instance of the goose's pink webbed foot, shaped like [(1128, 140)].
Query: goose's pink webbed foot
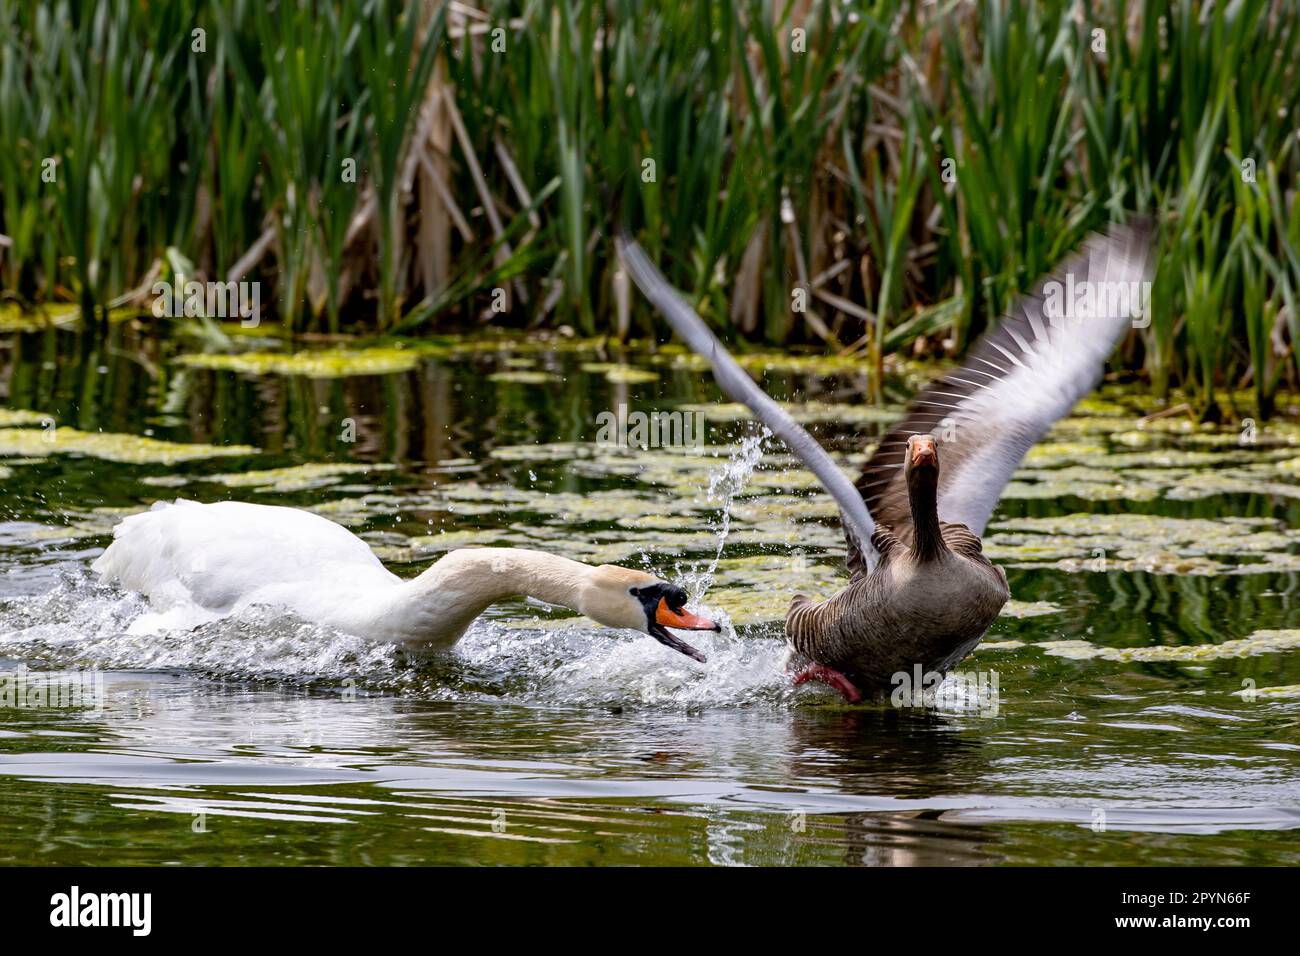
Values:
[(831, 678)]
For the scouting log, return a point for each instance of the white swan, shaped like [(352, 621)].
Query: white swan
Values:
[(200, 562)]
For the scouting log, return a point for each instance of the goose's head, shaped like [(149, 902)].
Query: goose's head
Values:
[(922, 459), (621, 597)]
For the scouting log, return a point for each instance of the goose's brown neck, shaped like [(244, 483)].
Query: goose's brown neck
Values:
[(923, 494)]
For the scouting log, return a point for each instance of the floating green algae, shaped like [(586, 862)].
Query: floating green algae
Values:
[(523, 377), (286, 480), (95, 523), (1054, 454), (423, 546), (750, 607), (1096, 405), (803, 412), (686, 467), (57, 315), (1097, 455), (999, 646), (1138, 542), (786, 573), (1102, 489), (1275, 693), (169, 481), (620, 374), (109, 446), (295, 478), (548, 514), (1023, 609), (538, 343), (1090, 472), (1132, 533), (21, 416), (270, 331), (545, 451), (1261, 642), (812, 364), (357, 510), (762, 509), (312, 363)]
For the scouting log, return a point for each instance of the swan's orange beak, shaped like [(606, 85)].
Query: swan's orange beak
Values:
[(682, 620), (923, 451)]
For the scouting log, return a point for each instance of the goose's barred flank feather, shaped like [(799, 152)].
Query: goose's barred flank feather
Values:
[(902, 614)]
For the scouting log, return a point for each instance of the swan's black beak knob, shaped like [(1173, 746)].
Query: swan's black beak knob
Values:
[(665, 607)]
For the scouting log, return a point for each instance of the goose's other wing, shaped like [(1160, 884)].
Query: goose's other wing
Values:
[(1021, 378), (739, 387)]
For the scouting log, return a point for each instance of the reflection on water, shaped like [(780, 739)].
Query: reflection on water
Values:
[(544, 739)]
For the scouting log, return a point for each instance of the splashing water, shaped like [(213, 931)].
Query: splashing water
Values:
[(79, 623), (725, 484), (84, 624)]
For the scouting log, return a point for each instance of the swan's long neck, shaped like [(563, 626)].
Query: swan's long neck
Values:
[(441, 603), (494, 574), (923, 495)]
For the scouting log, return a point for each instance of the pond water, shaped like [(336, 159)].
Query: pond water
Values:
[(1138, 703)]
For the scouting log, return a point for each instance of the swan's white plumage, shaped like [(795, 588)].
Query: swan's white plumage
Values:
[(200, 562), (197, 562)]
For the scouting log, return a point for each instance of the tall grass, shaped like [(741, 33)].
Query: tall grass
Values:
[(901, 169)]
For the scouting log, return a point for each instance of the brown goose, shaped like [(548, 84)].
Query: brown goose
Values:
[(921, 594)]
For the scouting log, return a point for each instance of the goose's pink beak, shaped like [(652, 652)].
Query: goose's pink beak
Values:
[(682, 620), (923, 451)]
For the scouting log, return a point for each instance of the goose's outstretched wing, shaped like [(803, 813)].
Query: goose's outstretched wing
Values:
[(739, 387), (1022, 377)]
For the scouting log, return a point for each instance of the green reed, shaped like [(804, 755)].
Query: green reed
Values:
[(871, 177)]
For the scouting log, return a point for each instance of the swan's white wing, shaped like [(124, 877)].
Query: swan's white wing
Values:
[(220, 556), (739, 387), (1021, 378)]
